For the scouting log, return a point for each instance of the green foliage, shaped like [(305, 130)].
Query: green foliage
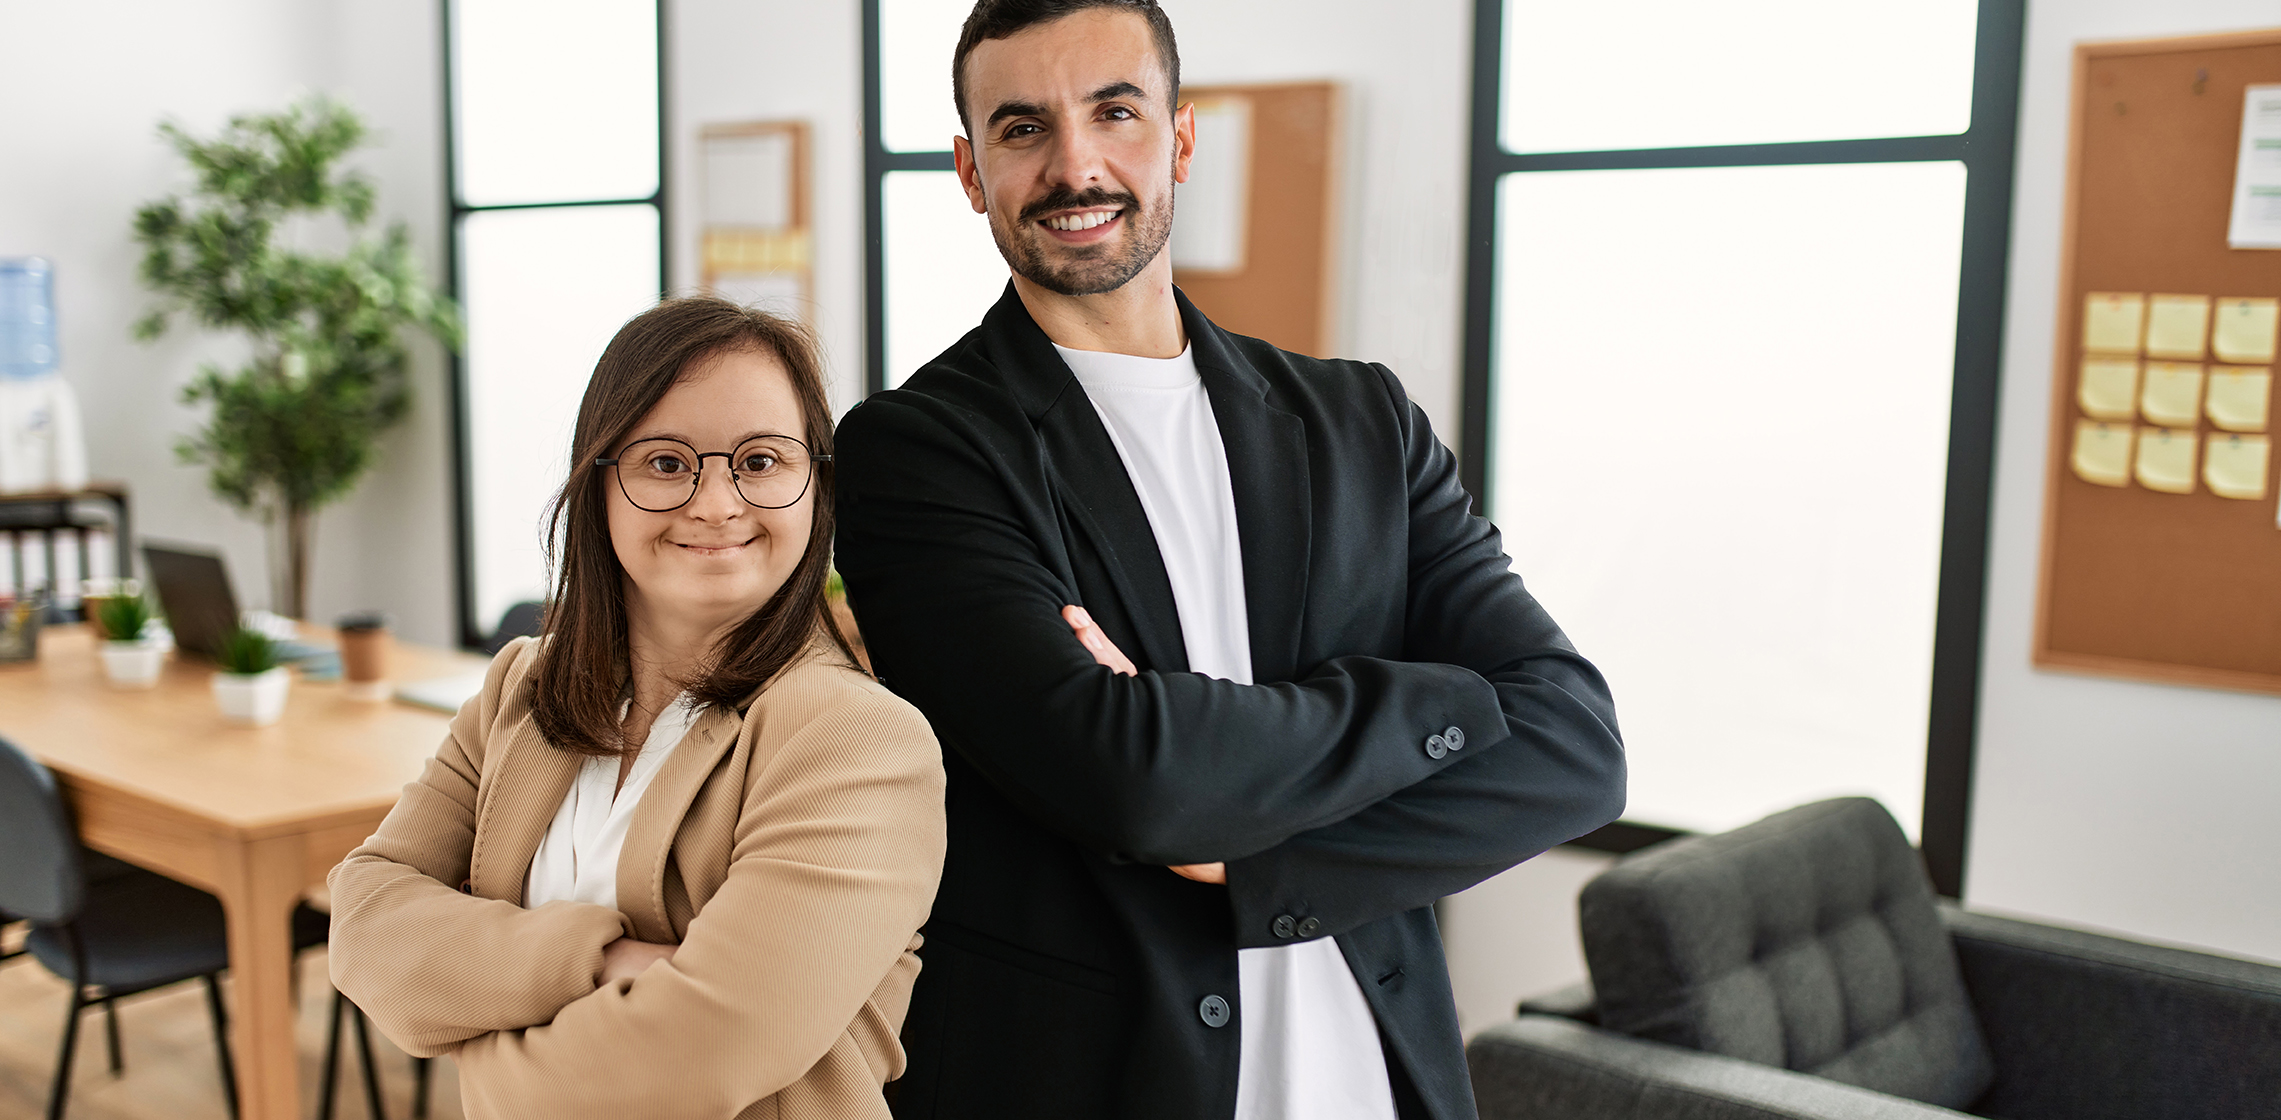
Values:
[(294, 428), (247, 651), (124, 617)]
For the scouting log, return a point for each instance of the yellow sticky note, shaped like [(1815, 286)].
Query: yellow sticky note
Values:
[(2234, 466), (2113, 321), (2108, 389), (2166, 460), (2239, 397), (2102, 453), (2245, 329), (2177, 326), (2172, 395)]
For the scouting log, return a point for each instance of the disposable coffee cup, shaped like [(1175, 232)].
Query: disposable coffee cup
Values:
[(365, 644)]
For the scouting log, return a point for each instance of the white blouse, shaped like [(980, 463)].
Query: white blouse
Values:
[(578, 859)]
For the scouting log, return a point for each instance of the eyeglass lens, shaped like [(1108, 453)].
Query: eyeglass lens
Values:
[(662, 474)]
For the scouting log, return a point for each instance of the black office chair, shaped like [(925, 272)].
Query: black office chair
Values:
[(523, 620), (118, 933)]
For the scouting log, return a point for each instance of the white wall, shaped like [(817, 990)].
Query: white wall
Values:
[(87, 86), (2141, 808)]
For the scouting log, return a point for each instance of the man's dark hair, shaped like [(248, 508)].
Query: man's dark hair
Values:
[(1002, 19)]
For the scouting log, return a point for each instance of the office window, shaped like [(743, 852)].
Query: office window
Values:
[(1733, 308), (557, 236), (932, 268)]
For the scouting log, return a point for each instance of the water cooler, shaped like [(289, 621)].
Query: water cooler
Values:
[(42, 446)]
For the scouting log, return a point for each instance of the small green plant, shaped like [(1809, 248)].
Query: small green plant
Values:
[(124, 617), (247, 652)]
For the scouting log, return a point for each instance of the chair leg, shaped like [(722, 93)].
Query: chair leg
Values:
[(372, 1100), (111, 1034), (62, 1088), (222, 1041), (422, 1070), (332, 1079)]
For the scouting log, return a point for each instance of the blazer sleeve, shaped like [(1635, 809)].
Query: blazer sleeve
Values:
[(959, 603), (838, 849), (433, 966), (1560, 775)]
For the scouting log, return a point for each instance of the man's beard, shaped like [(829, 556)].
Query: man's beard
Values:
[(1091, 269)]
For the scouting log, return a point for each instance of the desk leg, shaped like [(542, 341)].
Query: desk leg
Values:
[(261, 880)]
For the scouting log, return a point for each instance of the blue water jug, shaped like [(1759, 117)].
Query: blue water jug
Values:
[(27, 317)]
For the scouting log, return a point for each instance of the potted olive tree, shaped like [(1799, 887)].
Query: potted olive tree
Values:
[(131, 655), (251, 686), (296, 426)]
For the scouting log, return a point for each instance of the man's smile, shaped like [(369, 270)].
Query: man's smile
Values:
[(1083, 227)]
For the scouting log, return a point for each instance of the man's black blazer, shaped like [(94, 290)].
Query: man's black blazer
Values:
[(1418, 724)]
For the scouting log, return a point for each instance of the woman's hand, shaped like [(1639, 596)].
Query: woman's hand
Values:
[(625, 958), (1097, 643), (1105, 652)]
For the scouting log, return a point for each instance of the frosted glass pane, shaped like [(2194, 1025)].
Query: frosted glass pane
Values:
[(557, 100), (1721, 423), (1683, 73), (544, 290), (943, 270), (916, 38)]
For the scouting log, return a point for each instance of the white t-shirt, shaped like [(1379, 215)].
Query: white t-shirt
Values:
[(578, 858), (1310, 1046)]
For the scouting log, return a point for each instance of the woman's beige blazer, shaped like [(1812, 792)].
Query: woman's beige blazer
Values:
[(791, 850)]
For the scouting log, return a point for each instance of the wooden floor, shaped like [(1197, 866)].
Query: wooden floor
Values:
[(172, 1072)]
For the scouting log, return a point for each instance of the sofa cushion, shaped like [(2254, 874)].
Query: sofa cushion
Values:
[(1807, 941)]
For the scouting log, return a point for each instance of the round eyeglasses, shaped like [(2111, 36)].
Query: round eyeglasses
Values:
[(661, 475)]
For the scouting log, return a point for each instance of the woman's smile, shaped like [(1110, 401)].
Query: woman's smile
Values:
[(731, 548)]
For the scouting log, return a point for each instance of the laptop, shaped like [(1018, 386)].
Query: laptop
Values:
[(194, 589)]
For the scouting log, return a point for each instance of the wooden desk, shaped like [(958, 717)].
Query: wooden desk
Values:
[(255, 815)]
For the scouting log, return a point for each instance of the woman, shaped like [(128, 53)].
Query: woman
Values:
[(673, 859)]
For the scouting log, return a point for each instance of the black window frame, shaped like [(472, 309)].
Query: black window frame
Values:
[(1986, 148), (878, 163), (475, 632)]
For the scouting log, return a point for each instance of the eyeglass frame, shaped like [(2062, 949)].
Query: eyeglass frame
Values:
[(697, 473)]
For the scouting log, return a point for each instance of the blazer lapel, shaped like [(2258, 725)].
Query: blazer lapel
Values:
[(649, 835), (526, 779), (1095, 495), (1267, 469)]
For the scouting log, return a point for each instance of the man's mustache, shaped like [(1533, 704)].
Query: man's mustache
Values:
[(1062, 198)]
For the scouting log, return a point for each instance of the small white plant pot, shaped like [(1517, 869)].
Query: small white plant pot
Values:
[(252, 699), (133, 664)]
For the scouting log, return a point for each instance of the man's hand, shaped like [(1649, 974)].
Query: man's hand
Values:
[(625, 958), (1106, 653)]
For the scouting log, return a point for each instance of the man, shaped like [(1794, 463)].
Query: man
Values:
[(1232, 683)]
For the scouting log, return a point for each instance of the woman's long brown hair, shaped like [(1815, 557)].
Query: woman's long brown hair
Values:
[(582, 671)]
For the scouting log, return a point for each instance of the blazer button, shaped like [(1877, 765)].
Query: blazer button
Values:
[(1455, 738), (1436, 746), (1308, 926), (1284, 926), (1214, 1011)]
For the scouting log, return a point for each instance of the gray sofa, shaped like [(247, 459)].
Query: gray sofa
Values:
[(1800, 967)]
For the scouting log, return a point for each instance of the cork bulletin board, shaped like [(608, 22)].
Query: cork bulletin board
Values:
[(1277, 281), (2161, 552)]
